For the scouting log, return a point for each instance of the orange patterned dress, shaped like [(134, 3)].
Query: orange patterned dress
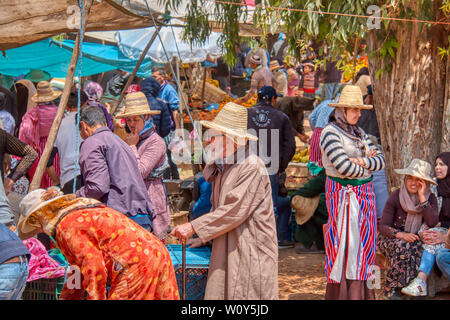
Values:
[(110, 248)]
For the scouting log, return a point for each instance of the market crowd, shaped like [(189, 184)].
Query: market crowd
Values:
[(102, 202)]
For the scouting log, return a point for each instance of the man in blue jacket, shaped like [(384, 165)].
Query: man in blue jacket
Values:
[(276, 146), (169, 95)]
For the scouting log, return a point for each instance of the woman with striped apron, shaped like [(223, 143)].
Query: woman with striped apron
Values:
[(349, 158)]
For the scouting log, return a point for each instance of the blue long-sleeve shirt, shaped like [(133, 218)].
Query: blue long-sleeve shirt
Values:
[(169, 95)]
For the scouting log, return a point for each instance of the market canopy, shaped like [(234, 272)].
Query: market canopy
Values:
[(133, 42), (26, 21), (54, 57)]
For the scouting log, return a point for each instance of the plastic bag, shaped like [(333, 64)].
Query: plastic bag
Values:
[(180, 151)]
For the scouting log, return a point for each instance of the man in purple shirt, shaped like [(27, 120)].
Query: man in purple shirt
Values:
[(110, 170)]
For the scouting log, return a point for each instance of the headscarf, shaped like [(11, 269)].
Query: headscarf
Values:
[(148, 124), (94, 91), (410, 203), (443, 188), (340, 119)]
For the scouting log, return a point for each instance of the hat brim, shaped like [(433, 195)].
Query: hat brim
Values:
[(303, 214), (275, 68), (359, 106), (228, 131), (47, 77), (132, 114), (24, 229), (410, 172), (37, 98)]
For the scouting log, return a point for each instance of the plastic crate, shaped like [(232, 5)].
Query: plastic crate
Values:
[(43, 289), (197, 266)]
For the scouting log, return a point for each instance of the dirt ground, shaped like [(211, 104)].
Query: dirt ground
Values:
[(302, 277)]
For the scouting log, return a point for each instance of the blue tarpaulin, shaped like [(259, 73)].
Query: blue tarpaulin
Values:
[(54, 57)]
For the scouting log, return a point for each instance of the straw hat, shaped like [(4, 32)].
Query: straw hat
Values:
[(351, 97), (304, 208), (136, 105), (32, 202), (231, 120), (36, 75), (45, 92), (274, 65), (418, 168)]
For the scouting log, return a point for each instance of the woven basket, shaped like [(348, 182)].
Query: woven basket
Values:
[(212, 93)]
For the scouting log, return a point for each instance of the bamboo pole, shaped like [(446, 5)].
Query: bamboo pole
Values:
[(37, 178), (136, 68)]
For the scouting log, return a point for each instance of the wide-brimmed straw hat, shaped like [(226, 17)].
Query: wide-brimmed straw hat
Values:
[(36, 75), (45, 92), (304, 208), (231, 120), (418, 168), (31, 203), (275, 65), (136, 105), (351, 97)]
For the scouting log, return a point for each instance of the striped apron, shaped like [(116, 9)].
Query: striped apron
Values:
[(350, 234)]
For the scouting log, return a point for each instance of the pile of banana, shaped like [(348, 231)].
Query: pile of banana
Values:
[(301, 155)]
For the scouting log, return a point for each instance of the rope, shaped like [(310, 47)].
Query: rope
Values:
[(330, 13), (77, 136), (176, 80)]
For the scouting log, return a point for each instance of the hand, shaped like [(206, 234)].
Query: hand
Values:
[(358, 161), (433, 237), (194, 242), (238, 101), (8, 185), (408, 237), (183, 231), (132, 139), (372, 153), (303, 137), (421, 190)]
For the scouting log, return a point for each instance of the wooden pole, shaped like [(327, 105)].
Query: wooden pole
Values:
[(37, 178), (355, 54), (136, 68), (204, 84)]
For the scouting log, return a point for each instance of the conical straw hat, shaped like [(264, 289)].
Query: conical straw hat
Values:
[(418, 168), (136, 105), (351, 97), (45, 92), (231, 120)]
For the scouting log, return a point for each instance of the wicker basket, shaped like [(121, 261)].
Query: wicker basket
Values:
[(212, 93)]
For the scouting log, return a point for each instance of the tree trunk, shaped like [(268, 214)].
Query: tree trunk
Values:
[(409, 100)]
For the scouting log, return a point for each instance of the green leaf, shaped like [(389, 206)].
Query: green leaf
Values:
[(378, 74)]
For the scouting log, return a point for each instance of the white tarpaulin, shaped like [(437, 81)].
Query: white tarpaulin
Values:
[(132, 42)]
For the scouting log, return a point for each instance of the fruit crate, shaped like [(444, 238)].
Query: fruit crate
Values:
[(197, 266), (44, 289)]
